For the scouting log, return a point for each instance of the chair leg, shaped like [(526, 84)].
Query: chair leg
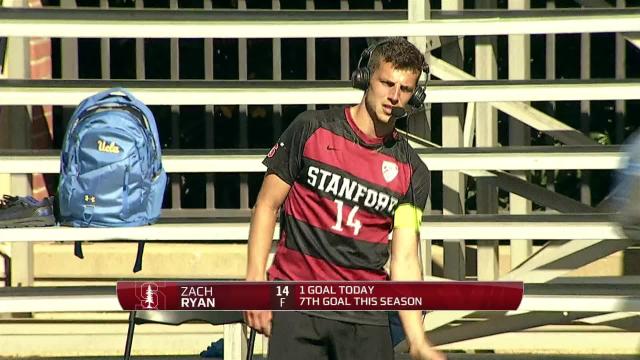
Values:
[(250, 342), (132, 325)]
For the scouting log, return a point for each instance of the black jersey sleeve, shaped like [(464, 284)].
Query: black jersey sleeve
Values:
[(420, 183), (285, 157)]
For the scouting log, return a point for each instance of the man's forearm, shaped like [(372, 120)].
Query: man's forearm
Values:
[(409, 270), (406, 267), (263, 222)]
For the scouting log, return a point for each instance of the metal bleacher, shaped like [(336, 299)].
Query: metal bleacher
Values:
[(573, 234)]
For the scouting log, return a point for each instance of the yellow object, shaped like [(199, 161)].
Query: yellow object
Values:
[(103, 146), (407, 216)]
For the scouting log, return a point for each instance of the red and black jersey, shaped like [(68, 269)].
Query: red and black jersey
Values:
[(345, 186)]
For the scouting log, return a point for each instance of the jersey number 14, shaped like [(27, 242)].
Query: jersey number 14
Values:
[(352, 222)]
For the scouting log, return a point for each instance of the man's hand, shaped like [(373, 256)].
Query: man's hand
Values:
[(424, 352), (260, 320)]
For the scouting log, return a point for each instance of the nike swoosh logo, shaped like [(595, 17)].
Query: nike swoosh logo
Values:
[(329, 147)]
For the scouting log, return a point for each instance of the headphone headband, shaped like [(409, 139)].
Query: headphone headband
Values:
[(361, 76)]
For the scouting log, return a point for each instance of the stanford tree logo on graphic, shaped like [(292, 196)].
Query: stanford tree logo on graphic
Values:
[(389, 171), (149, 296)]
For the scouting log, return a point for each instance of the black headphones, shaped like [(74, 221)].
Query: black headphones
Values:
[(361, 76)]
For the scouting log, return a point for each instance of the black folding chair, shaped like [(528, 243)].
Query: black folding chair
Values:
[(180, 317)]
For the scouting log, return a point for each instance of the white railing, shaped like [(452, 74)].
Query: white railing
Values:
[(269, 92), (596, 227), (443, 159), (189, 24)]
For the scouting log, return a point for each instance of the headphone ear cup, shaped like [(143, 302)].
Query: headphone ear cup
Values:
[(418, 97), (360, 79)]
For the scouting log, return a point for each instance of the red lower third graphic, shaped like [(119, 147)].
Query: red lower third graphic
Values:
[(330, 296)]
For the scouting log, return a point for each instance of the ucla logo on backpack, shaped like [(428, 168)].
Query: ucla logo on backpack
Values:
[(108, 148)]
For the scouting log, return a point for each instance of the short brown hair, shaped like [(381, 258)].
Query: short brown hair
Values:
[(399, 52)]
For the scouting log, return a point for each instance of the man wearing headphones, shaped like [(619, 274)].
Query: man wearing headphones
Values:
[(342, 180)]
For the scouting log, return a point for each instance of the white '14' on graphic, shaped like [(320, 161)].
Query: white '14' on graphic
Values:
[(351, 218)]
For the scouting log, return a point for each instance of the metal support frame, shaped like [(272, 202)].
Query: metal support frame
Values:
[(572, 247), (550, 262), (521, 111), (502, 324), (518, 186)]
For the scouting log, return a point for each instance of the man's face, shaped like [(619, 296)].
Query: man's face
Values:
[(389, 87)]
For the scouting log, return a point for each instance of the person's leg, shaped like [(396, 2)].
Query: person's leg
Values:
[(295, 336), (356, 341)]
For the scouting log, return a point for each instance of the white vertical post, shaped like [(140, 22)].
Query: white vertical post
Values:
[(519, 69), (621, 59), (585, 112), (176, 193), (235, 341), (277, 76), (105, 49), (69, 60), (550, 74), (420, 122), (453, 182), (243, 113), (344, 48), (311, 55), (140, 58), (69, 49), (486, 136), (210, 192)]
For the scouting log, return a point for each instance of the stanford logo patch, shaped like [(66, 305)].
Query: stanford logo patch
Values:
[(389, 171), (273, 150)]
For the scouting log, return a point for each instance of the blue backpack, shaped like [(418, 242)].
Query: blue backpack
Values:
[(626, 193), (111, 171)]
